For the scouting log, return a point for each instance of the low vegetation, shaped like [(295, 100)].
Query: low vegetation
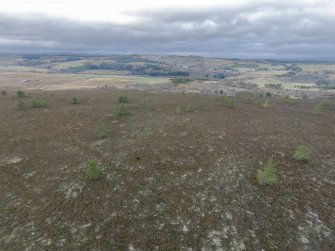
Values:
[(101, 129), (268, 175), (3, 93), (302, 153), (93, 171)]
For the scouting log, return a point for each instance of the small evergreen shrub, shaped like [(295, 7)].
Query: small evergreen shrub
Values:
[(178, 109), (248, 99), (318, 109), (133, 134), (302, 153), (288, 99), (189, 108), (221, 93), (93, 171), (21, 105), (3, 93), (268, 175), (101, 129), (230, 103), (20, 94), (35, 103), (268, 95), (123, 99), (74, 100), (120, 110), (266, 104)]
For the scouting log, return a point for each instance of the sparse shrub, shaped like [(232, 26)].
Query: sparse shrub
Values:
[(20, 94), (35, 103), (93, 171), (74, 100), (133, 134), (268, 175), (302, 153), (21, 105), (123, 99), (189, 108), (318, 109), (101, 129), (266, 104), (120, 110), (304, 97), (3, 93), (178, 109), (268, 94)]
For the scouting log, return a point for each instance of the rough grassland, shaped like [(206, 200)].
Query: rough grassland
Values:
[(187, 182)]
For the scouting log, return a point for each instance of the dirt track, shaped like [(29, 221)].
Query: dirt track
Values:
[(186, 183)]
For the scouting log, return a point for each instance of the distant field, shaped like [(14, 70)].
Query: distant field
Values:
[(206, 75)]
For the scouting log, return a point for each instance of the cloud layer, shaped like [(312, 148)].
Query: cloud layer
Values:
[(302, 30)]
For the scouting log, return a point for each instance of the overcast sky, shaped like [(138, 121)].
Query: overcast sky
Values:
[(283, 29)]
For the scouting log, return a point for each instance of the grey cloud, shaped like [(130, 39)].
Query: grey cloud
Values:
[(284, 30)]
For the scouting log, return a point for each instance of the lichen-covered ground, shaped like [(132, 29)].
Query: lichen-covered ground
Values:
[(187, 182)]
